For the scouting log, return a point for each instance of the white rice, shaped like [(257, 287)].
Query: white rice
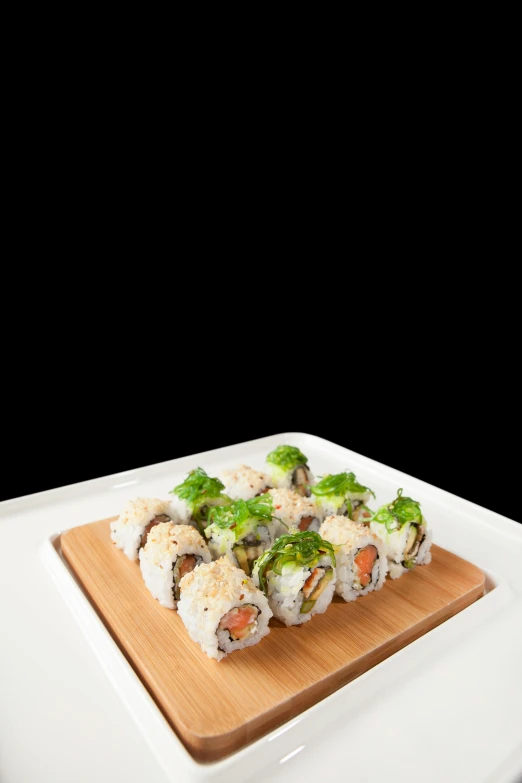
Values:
[(180, 512), (348, 538), (210, 592), (127, 531), (285, 595), (244, 483), (395, 543), (165, 543), (290, 507)]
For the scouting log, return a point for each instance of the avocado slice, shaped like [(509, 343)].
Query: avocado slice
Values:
[(307, 606), (242, 559)]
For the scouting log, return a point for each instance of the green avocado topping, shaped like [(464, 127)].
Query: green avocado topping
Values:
[(286, 457), (299, 549), (400, 512)]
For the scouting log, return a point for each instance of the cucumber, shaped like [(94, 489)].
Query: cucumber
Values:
[(307, 606)]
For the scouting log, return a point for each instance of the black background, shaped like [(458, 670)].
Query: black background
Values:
[(86, 428)]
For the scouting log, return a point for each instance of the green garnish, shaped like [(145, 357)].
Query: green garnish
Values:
[(287, 457), (301, 549), (401, 512), (240, 514), (197, 488), (340, 484)]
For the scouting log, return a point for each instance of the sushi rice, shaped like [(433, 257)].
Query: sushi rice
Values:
[(129, 531), (213, 599), (360, 555), (245, 483), (170, 551), (293, 511)]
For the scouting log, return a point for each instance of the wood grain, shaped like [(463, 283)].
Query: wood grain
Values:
[(217, 708)]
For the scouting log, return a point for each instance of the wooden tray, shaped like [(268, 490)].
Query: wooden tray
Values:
[(217, 708)]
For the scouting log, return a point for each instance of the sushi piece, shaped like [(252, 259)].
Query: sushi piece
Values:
[(293, 511), (404, 531), (360, 554), (195, 496), (242, 530), (298, 576), (288, 468), (245, 483), (342, 495), (171, 552), (222, 609), (129, 532)]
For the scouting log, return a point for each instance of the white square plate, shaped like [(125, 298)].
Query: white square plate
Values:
[(446, 707)]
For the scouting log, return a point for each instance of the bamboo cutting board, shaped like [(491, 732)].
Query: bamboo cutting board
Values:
[(217, 708)]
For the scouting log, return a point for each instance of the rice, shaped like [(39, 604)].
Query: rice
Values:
[(285, 595), (210, 593), (162, 558), (349, 538), (128, 530), (245, 483), (395, 544), (293, 511)]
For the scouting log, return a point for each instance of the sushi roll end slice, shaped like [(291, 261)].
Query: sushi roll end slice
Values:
[(242, 530), (245, 483), (129, 532), (293, 512), (297, 574), (196, 496), (222, 609), (171, 552), (341, 494), (288, 468), (404, 531), (360, 555)]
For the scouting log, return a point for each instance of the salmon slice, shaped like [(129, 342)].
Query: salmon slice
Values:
[(305, 522), (239, 621), (188, 565), (364, 560)]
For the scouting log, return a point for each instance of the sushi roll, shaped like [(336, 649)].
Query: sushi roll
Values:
[(361, 557), (171, 552), (242, 530), (342, 495), (195, 496), (129, 532), (245, 483), (288, 469), (298, 576), (222, 609), (404, 531), (293, 511)]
